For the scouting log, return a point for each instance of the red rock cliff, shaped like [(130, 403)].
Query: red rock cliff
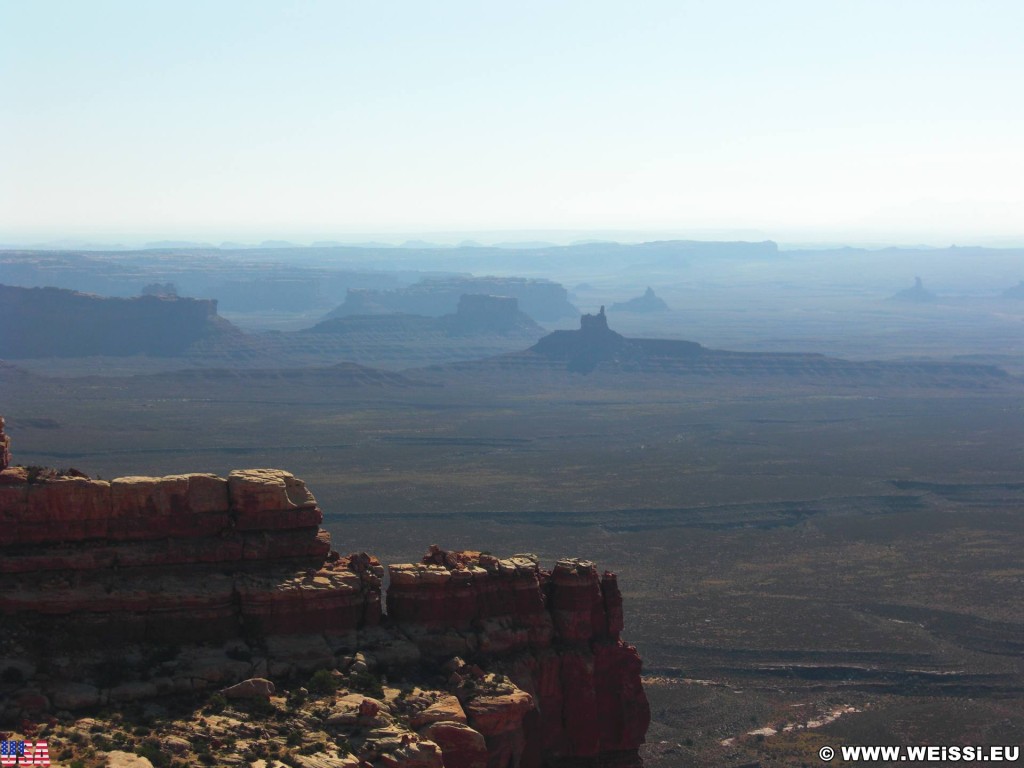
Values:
[(180, 558), (555, 634), (537, 675)]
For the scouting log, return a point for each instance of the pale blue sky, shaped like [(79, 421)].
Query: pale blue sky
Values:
[(245, 119)]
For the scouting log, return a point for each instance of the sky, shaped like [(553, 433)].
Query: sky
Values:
[(892, 120)]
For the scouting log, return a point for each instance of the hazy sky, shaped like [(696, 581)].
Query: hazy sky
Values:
[(307, 120)]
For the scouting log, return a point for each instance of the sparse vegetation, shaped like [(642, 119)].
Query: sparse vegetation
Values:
[(368, 683), (323, 682), (150, 749)]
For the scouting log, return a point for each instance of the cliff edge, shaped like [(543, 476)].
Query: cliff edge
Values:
[(141, 589)]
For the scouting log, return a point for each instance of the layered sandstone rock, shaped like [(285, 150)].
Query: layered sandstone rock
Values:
[(142, 587), (178, 558), (575, 689)]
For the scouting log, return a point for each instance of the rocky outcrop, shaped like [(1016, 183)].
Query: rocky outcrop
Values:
[(646, 303), (53, 322), (583, 350), (140, 587), (184, 558), (554, 634)]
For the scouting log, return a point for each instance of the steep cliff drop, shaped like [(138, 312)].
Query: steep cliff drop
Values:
[(554, 634), (118, 593)]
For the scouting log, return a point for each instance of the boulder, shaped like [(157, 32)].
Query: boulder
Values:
[(253, 688), (461, 746)]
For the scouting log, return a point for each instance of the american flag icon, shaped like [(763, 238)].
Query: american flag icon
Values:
[(24, 753)]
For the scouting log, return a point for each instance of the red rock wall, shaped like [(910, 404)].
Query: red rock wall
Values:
[(64, 510), (556, 633), (195, 558), (183, 558)]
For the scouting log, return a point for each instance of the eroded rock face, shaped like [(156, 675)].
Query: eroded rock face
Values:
[(575, 686), (236, 578), (183, 558)]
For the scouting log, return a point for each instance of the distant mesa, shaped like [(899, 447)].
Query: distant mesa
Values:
[(595, 343), (646, 303), (597, 349), (54, 322), (313, 280), (540, 299), (479, 313), (58, 323), (1016, 292), (917, 293), (42, 323), (475, 314)]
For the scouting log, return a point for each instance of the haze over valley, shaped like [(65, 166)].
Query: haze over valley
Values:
[(536, 385), (756, 444)]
